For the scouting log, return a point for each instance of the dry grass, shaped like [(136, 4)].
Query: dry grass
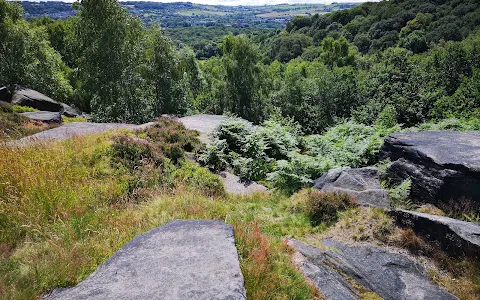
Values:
[(66, 207)]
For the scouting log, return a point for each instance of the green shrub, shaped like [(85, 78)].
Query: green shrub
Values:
[(22, 109), (349, 144), (280, 138), (173, 138), (322, 207), (299, 171), (449, 124), (400, 194), (233, 130), (198, 178), (215, 155), (133, 152), (6, 107)]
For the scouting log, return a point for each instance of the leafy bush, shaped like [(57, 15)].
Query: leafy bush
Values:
[(299, 171), (277, 152), (167, 138), (322, 207), (133, 152), (215, 155), (197, 178), (400, 194), (233, 131), (22, 109), (349, 144), (449, 124)]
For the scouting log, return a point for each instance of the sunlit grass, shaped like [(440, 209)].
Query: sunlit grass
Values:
[(65, 209)]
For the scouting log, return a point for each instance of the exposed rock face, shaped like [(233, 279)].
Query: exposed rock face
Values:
[(442, 165), (390, 275), (455, 237), (361, 184), (44, 116), (5, 94), (69, 111), (75, 129), (27, 97), (180, 260), (238, 186)]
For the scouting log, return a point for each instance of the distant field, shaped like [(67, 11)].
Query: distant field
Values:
[(200, 12), (287, 14)]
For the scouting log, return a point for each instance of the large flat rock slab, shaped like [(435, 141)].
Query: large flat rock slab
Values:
[(205, 124), (44, 116), (75, 129), (238, 186), (442, 165), (180, 260), (456, 237), (390, 275), (27, 97)]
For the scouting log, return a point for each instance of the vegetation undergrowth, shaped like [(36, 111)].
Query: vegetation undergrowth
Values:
[(66, 207), (14, 126)]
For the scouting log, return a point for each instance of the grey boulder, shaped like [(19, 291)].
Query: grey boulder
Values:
[(442, 165), (453, 236), (69, 111), (390, 275), (44, 116), (27, 97), (181, 260), (5, 94), (362, 184)]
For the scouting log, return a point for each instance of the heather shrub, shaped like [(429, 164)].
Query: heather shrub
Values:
[(133, 152), (321, 207)]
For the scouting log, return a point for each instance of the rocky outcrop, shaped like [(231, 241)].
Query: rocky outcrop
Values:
[(5, 94), (75, 129), (442, 165), (453, 236), (69, 111), (27, 97), (44, 116), (238, 186), (361, 184), (180, 260), (390, 275)]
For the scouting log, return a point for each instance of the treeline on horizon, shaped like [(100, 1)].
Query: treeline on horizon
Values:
[(412, 60)]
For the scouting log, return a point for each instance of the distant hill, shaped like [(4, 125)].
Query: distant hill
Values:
[(413, 24), (183, 14)]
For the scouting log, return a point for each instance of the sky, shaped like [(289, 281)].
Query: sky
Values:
[(239, 2)]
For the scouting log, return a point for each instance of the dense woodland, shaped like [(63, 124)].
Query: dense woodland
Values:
[(416, 59)]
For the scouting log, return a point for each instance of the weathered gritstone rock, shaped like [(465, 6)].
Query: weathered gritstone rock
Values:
[(205, 124), (27, 97), (362, 184), (5, 94), (238, 186), (390, 275), (180, 260), (75, 129), (453, 236), (442, 165), (69, 111), (44, 116)]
